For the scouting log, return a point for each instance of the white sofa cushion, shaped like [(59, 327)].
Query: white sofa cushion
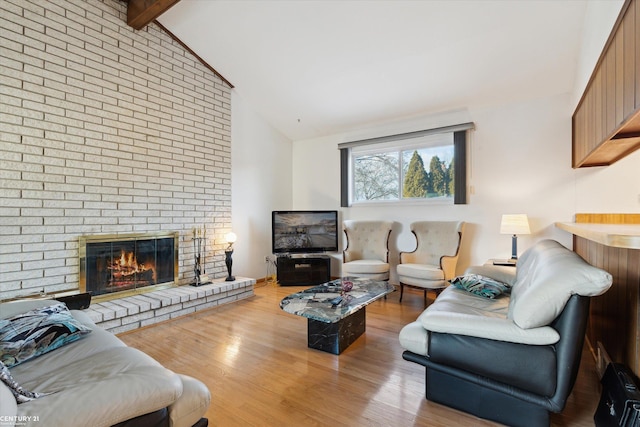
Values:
[(20, 393), (420, 271), (60, 359), (8, 407), (546, 276), (459, 312), (415, 338), (112, 386), (194, 402), (364, 266), (424, 276)]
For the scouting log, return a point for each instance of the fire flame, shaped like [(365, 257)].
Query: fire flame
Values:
[(125, 269)]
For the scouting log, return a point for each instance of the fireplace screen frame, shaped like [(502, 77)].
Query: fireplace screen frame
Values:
[(105, 238)]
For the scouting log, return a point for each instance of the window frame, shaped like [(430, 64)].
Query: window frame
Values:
[(460, 136)]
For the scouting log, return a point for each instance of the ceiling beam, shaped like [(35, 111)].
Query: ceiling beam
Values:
[(141, 12), (188, 49)]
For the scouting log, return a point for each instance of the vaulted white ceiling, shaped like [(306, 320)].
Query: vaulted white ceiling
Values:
[(313, 68)]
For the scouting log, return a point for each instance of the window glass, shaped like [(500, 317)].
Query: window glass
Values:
[(412, 169), (376, 176)]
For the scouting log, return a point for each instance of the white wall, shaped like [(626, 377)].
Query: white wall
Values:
[(519, 162), (614, 188), (260, 183)]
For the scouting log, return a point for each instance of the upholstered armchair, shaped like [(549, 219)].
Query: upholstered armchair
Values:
[(367, 251), (433, 262)]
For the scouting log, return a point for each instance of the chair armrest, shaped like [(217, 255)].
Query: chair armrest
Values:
[(448, 266), (408, 258)]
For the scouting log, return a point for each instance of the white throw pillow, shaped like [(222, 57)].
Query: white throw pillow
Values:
[(546, 277)]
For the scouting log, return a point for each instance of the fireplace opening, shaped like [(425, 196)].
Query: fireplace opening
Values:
[(110, 264)]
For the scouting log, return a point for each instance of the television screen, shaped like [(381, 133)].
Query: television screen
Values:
[(304, 231)]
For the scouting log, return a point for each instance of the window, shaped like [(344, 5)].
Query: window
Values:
[(427, 165)]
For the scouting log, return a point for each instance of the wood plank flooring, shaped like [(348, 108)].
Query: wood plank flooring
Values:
[(254, 359)]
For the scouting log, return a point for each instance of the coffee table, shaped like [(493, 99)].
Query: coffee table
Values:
[(332, 328)]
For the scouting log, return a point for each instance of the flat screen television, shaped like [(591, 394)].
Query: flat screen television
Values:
[(304, 231)]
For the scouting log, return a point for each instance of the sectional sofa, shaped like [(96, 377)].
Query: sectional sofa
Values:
[(506, 346)]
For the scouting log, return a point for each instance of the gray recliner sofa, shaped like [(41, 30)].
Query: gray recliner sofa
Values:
[(99, 381), (515, 358)]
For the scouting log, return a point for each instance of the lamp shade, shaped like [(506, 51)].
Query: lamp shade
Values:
[(514, 224), (231, 237)]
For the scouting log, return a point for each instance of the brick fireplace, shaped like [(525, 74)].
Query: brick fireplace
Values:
[(130, 263), (135, 276), (105, 130), (111, 131)]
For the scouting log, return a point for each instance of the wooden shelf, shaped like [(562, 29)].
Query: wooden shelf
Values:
[(614, 235), (623, 142)]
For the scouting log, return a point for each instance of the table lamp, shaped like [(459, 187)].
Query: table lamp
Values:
[(514, 224), (230, 238)]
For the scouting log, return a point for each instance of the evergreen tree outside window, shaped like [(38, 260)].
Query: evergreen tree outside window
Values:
[(416, 180), (437, 176)]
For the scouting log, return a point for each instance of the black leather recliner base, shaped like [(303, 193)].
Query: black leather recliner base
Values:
[(159, 418), (483, 402), (496, 400)]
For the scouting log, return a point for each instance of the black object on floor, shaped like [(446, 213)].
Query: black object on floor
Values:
[(620, 401), (77, 301)]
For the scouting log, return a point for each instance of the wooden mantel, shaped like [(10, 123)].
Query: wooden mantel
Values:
[(612, 242)]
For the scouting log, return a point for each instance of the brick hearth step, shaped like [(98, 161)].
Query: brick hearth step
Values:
[(136, 311)]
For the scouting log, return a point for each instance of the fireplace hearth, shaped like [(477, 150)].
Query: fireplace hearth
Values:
[(111, 264)]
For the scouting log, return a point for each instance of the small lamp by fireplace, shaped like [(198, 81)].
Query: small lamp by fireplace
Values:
[(230, 238)]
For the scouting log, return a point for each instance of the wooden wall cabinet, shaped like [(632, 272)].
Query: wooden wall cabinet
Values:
[(606, 123), (612, 242)]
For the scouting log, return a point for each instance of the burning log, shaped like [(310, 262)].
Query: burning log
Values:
[(126, 272)]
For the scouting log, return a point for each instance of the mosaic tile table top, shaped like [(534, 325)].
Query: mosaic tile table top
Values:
[(315, 303)]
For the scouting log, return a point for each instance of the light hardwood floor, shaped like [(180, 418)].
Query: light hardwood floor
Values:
[(254, 359)]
